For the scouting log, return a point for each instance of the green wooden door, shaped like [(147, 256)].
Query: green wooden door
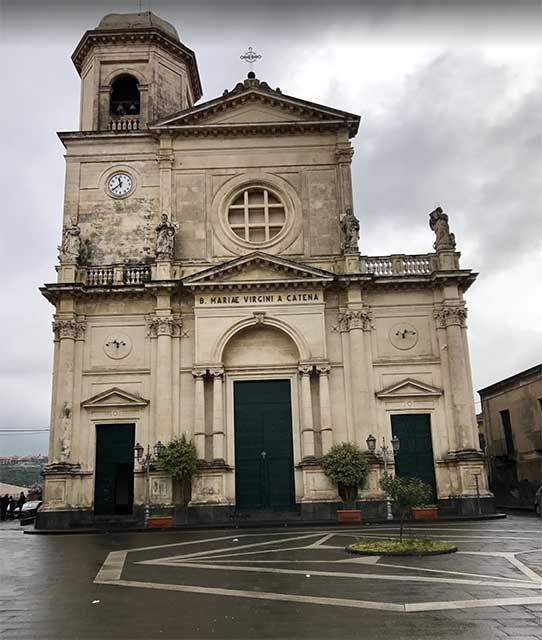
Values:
[(264, 469), (114, 473), (415, 456)]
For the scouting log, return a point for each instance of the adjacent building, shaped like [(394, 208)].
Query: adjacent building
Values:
[(512, 433), (210, 284)]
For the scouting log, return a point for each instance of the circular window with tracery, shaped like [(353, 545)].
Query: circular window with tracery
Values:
[(256, 215)]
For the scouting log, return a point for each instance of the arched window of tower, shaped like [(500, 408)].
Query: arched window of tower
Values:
[(125, 100)]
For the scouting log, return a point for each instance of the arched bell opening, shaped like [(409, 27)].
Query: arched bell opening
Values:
[(125, 99)]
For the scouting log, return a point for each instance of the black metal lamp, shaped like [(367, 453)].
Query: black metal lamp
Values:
[(138, 451), (395, 443), (157, 449), (371, 443)]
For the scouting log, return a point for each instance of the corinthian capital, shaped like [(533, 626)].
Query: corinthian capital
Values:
[(449, 316), (356, 319), (164, 326), (344, 153), (72, 329)]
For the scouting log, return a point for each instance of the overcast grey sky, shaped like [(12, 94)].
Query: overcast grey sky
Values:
[(451, 101)]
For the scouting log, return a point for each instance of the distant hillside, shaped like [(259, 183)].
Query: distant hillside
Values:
[(22, 472)]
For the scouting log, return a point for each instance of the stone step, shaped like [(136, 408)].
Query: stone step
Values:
[(267, 515)]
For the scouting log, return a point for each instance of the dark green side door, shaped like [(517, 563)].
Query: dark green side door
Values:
[(415, 456), (114, 473), (264, 469)]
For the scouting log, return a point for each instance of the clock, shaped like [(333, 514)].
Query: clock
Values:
[(120, 185)]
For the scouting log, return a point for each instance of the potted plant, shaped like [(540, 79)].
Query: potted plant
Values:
[(346, 464), (424, 512), (179, 458), (406, 493)]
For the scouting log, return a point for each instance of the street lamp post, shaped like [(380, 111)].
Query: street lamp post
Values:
[(383, 454), (146, 460)]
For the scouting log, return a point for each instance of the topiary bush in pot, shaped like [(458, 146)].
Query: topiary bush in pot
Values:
[(180, 459), (346, 464)]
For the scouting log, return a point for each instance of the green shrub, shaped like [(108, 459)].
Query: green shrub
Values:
[(406, 493), (346, 464), (180, 459)]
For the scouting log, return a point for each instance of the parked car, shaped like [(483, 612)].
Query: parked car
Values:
[(29, 511), (538, 502)]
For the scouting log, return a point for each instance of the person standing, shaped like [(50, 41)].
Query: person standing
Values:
[(20, 502), (11, 508), (4, 501)]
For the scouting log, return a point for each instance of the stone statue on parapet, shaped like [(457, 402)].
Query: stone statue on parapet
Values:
[(350, 230), (165, 238), (70, 249), (438, 221)]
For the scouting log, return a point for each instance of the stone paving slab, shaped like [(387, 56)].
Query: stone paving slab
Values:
[(51, 593)]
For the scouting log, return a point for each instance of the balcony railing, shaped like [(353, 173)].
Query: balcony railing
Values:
[(124, 123), (105, 276), (100, 276), (137, 275), (400, 265)]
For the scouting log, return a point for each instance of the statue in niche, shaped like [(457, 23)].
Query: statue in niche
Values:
[(438, 221), (165, 237), (350, 229), (70, 249), (65, 429)]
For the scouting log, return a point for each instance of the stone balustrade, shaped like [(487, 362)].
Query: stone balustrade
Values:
[(123, 123), (377, 266), (137, 274), (100, 276), (109, 275), (400, 265)]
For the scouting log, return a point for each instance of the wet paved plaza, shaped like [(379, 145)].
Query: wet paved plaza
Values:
[(280, 583)]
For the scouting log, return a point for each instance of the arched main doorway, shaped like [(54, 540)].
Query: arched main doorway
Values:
[(262, 416)]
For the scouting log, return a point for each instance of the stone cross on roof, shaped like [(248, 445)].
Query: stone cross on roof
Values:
[(250, 56)]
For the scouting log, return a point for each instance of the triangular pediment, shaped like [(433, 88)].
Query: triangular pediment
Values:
[(409, 388), (257, 113), (256, 269), (114, 397), (254, 104)]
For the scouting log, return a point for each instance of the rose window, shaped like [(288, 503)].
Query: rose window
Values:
[(256, 215)]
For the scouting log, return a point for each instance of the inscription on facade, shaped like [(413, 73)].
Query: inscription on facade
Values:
[(259, 299)]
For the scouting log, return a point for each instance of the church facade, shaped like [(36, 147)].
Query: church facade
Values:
[(210, 284)]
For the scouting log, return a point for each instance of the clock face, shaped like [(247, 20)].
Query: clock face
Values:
[(120, 184)]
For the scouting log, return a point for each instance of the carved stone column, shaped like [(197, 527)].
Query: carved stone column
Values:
[(218, 414), (307, 424), (163, 328), (343, 327), (453, 320), (199, 411), (326, 428), (66, 332), (165, 162), (357, 321), (344, 154)]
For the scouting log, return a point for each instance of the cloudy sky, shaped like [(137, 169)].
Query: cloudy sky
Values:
[(451, 105)]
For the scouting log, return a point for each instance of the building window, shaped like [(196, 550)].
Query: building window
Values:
[(507, 428), (256, 215), (125, 99)]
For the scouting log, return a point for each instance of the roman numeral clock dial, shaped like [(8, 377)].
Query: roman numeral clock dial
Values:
[(120, 185)]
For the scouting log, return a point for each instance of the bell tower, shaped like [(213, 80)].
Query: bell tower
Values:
[(134, 69)]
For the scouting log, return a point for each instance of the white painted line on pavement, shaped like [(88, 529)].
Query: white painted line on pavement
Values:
[(111, 569), (357, 576), (265, 595)]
